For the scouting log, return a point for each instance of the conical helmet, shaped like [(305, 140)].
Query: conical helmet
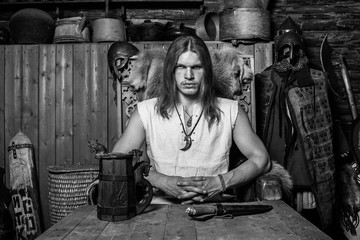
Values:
[(289, 34), (119, 54), (289, 43)]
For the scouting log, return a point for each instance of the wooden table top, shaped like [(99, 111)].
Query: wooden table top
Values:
[(171, 222)]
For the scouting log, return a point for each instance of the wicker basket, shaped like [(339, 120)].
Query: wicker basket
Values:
[(67, 188)]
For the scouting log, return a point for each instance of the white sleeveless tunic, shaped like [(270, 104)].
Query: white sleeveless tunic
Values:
[(209, 153)]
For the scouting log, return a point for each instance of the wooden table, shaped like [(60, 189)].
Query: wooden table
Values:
[(171, 222)]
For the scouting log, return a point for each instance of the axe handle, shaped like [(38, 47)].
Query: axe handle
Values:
[(346, 79)]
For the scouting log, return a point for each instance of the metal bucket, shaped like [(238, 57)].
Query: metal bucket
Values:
[(207, 27), (71, 30), (247, 25), (108, 30)]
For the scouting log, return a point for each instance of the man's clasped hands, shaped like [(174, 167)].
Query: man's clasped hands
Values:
[(192, 189)]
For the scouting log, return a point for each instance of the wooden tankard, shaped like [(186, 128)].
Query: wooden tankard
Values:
[(123, 192)]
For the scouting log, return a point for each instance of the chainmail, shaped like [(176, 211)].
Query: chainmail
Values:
[(284, 65)]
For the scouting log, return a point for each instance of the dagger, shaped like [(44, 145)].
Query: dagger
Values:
[(204, 212)]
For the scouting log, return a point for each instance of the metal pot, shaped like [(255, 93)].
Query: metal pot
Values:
[(31, 25), (108, 30), (247, 25), (207, 26), (146, 31), (172, 32), (246, 4)]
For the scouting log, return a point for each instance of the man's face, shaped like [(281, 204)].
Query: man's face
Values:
[(189, 74)]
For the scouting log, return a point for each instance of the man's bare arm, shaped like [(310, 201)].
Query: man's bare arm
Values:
[(134, 135), (258, 160), (257, 163)]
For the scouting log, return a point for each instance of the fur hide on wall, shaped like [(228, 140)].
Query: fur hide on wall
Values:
[(229, 70), (147, 73)]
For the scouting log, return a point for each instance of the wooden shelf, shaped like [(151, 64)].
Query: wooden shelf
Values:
[(56, 2), (49, 4)]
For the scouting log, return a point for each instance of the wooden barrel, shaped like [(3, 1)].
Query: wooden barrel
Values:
[(72, 29), (108, 30), (247, 24), (116, 190)]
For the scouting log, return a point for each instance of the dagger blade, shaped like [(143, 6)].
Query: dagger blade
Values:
[(224, 209)]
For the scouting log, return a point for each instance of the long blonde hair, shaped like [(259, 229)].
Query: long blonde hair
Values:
[(168, 93)]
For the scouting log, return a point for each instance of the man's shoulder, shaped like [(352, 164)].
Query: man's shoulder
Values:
[(147, 105), (150, 101), (227, 101)]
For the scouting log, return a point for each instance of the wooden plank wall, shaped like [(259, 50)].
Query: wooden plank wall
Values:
[(60, 95), (2, 107)]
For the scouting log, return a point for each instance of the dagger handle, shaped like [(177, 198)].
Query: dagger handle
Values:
[(201, 210)]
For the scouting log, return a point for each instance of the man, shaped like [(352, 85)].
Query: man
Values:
[(189, 131)]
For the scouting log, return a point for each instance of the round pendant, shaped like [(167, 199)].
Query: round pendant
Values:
[(189, 122)]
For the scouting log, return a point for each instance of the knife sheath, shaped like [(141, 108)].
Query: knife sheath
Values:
[(204, 212)]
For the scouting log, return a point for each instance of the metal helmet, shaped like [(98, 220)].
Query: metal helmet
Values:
[(119, 54), (288, 36)]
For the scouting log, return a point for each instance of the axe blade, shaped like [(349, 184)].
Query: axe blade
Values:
[(325, 54), (326, 63)]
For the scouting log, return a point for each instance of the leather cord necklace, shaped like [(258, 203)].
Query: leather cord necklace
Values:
[(187, 138), (189, 121)]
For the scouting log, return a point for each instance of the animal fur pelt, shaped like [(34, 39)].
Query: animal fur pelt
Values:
[(248, 192), (286, 181), (147, 73), (348, 193), (229, 70)]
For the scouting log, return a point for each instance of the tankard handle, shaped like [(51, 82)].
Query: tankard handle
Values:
[(144, 192)]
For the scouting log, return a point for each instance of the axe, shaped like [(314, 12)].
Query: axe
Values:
[(348, 181), (328, 67), (353, 138)]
